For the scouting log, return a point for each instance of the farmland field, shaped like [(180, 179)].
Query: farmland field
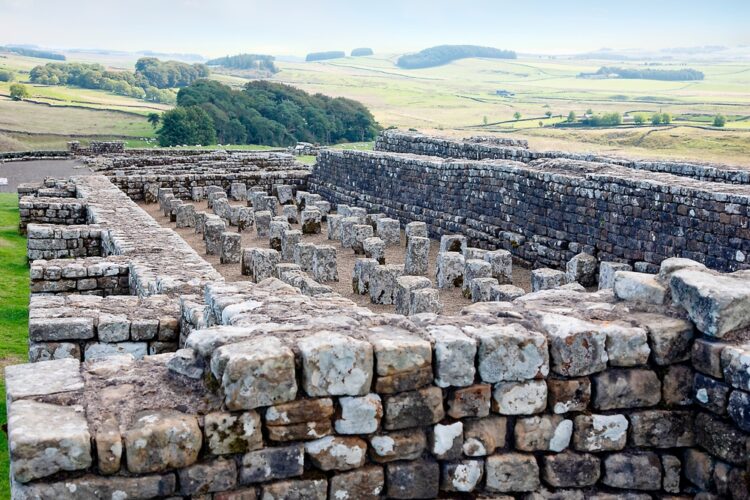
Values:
[(458, 99)]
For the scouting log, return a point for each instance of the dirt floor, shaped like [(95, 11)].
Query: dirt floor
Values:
[(14, 173), (452, 299)]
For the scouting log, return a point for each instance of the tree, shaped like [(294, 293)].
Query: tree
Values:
[(666, 118), (517, 115), (485, 120), (548, 114), (589, 111), (19, 92), (186, 126), (571, 117), (719, 120), (639, 119), (541, 124), (6, 75), (656, 119), (154, 119)]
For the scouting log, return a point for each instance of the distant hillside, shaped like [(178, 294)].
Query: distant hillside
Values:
[(362, 51), (683, 74), (322, 56), (443, 54), (41, 54), (257, 62)]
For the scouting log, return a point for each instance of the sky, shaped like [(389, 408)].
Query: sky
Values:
[(289, 27)]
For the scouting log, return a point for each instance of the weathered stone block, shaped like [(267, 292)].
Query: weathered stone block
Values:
[(454, 356), (582, 269), (735, 362), (161, 440), (462, 476), (289, 240), (633, 471), (263, 223), (600, 432), (217, 475), (324, 267), (276, 230), (571, 470), (337, 453), (519, 398), (415, 229), (425, 300), (546, 279), (677, 386), (453, 243), (374, 248), (336, 365), (231, 246), (510, 353), (284, 193), (311, 221), (300, 420), (472, 401), (483, 436), (347, 231), (512, 473), (213, 230), (631, 388), (303, 256), (481, 289), (383, 283), (446, 441), (566, 395), (505, 293), (607, 272), (363, 269), (710, 393), (661, 429), (359, 233), (399, 445), (334, 227), (626, 345), (417, 256), (706, 356), (414, 408), (228, 433), (639, 287), (366, 483), (265, 261), (404, 286), (272, 463), (474, 268), (721, 439), (359, 415), (415, 479), (577, 347), (185, 216), (389, 230), (543, 433), (450, 270), (290, 213), (502, 265)]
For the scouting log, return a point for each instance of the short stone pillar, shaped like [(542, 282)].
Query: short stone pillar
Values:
[(363, 269), (450, 270), (502, 265), (607, 272), (505, 293), (164, 203), (334, 227), (238, 191), (413, 229), (546, 279), (247, 259), (360, 232), (289, 240), (372, 219), (285, 194), (324, 207), (285, 267), (471, 253), (453, 243), (215, 195), (389, 230), (263, 223), (303, 256), (324, 267), (265, 261), (174, 203), (383, 283), (481, 289), (359, 213), (582, 269), (310, 220), (404, 286), (276, 231), (197, 193), (290, 213), (375, 249), (474, 268), (245, 219), (160, 194), (425, 300), (222, 208), (185, 216), (270, 203), (255, 197), (213, 189), (347, 231), (417, 256), (213, 230), (343, 210), (231, 246), (200, 222)]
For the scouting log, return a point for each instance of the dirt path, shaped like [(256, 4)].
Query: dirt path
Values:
[(452, 299), (18, 172)]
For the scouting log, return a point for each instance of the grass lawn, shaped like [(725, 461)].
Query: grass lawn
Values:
[(14, 301)]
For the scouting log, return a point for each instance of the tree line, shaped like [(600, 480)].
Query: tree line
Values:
[(684, 74), (40, 54), (150, 81), (263, 112), (443, 54), (246, 61), (322, 56)]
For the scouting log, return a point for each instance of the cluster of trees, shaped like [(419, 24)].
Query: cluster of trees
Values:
[(443, 54), (685, 74), (151, 81), (258, 62), (6, 75), (322, 56), (656, 119), (604, 120), (19, 92), (362, 51), (41, 54), (719, 121), (262, 113)]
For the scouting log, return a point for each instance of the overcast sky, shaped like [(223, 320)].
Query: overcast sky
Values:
[(280, 27)]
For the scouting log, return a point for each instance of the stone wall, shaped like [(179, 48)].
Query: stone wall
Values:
[(50, 241), (546, 211), (89, 276), (97, 148)]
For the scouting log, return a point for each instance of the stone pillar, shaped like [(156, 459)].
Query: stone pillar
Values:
[(474, 268), (502, 265), (375, 249), (481, 289), (546, 279), (415, 229), (453, 243), (607, 272), (582, 269), (505, 293), (311, 221), (417, 256), (285, 194), (425, 300), (324, 207), (197, 193), (334, 227), (359, 213), (289, 240), (324, 267), (471, 253), (238, 191), (265, 261), (200, 222), (276, 231), (222, 208), (383, 283), (213, 230), (216, 195), (303, 256), (360, 232), (404, 286), (343, 210), (450, 270), (270, 203), (185, 216), (291, 214), (262, 223), (173, 204), (363, 268), (231, 244), (247, 260), (245, 219), (347, 231), (389, 230)]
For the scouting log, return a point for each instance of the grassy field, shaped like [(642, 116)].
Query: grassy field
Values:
[(14, 299)]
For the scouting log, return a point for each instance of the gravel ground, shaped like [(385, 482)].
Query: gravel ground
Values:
[(19, 172), (452, 299)]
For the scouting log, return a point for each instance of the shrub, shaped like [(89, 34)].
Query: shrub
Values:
[(719, 121), (19, 92), (639, 119)]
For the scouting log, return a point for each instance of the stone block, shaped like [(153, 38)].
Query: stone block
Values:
[(670, 339), (366, 483), (113, 328), (336, 365), (607, 272), (471, 253), (413, 409), (300, 420), (502, 265), (571, 470), (710, 393), (565, 395), (265, 261), (383, 283), (450, 270), (290, 213), (735, 362), (231, 247), (231, 433), (474, 268), (276, 230), (582, 269), (347, 231), (44, 439), (262, 223), (363, 269), (270, 203), (337, 453), (462, 476), (272, 463), (452, 243), (639, 287), (425, 300), (415, 479), (375, 249), (311, 221), (185, 216), (159, 440), (661, 429), (600, 432), (505, 293), (238, 191), (721, 439), (481, 289), (417, 256), (324, 267), (255, 373), (284, 193), (446, 441), (454, 356), (511, 473), (510, 353), (90, 486), (359, 233), (289, 240), (389, 230), (359, 415), (323, 207), (404, 286), (699, 468), (519, 398), (334, 227), (482, 436), (576, 347), (48, 351), (677, 386), (626, 388), (108, 446), (303, 256), (213, 230), (547, 279), (543, 433), (210, 477), (626, 345), (633, 471), (97, 350), (706, 356), (415, 229), (471, 401)]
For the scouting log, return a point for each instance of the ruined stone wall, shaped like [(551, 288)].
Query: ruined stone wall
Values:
[(546, 211), (89, 276), (481, 148), (51, 241)]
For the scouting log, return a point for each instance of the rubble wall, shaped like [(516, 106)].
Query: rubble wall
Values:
[(546, 211)]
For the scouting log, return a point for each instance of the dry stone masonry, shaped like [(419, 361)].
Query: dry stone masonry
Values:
[(178, 384)]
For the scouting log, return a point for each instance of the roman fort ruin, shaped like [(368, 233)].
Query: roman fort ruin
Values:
[(432, 319)]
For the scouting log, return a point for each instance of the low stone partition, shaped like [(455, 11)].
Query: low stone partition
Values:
[(49, 210), (97, 148), (89, 276), (500, 148), (547, 211), (559, 394), (7, 156), (50, 241)]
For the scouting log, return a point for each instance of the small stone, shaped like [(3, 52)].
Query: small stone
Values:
[(337, 453), (472, 401), (543, 433), (113, 328), (272, 463), (706, 356), (397, 351), (446, 441), (672, 473), (109, 446), (699, 468), (633, 471), (366, 483), (512, 473), (413, 409), (228, 433), (570, 469), (299, 489), (582, 269), (600, 432), (482, 436), (607, 271), (546, 279), (199, 479), (359, 415), (462, 476), (519, 398), (399, 445), (626, 388), (566, 395), (661, 429), (161, 440), (415, 479)]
